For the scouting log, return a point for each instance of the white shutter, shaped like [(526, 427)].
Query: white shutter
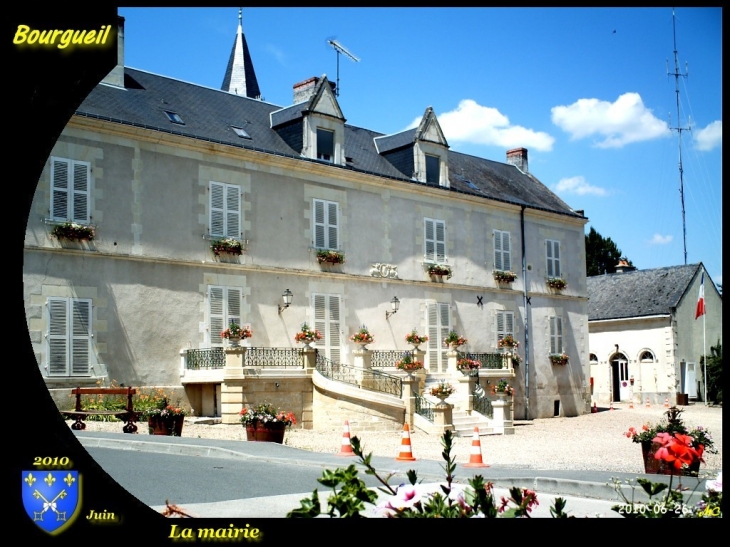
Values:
[(80, 192), (327, 315), (233, 211), (506, 252), (445, 324), (505, 324), (233, 305), (57, 337), (216, 315), (59, 188), (319, 303), (549, 255), (332, 226), (334, 329), (556, 335), (69, 336), (556, 258), (553, 257), (434, 340), (80, 337), (320, 241), (440, 241), (498, 250), (430, 237), (217, 210)]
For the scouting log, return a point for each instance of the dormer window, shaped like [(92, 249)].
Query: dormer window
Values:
[(433, 169), (325, 144), (174, 117)]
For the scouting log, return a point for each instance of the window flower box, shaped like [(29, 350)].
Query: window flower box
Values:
[(501, 276), (440, 270), (226, 245), (508, 342), (73, 231), (330, 257), (557, 283), (558, 358)]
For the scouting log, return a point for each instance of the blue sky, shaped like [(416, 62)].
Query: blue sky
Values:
[(585, 90)]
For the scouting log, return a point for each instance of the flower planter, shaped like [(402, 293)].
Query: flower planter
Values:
[(652, 466), (266, 432), (171, 426)]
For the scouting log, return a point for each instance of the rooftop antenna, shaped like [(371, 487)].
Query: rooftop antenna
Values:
[(339, 48), (679, 129)]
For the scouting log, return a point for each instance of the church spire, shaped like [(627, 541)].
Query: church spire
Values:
[(240, 77)]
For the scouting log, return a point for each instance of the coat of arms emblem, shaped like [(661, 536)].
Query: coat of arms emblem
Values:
[(51, 498)]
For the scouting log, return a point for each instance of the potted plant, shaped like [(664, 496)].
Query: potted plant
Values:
[(558, 358), (440, 270), (227, 245), (468, 366), (407, 363), (442, 390), (502, 388), (235, 333), (502, 276), (415, 340), (557, 283), (454, 340), (654, 437), (307, 335), (362, 337), (162, 417), (508, 342), (265, 423), (73, 231), (516, 359), (331, 257)]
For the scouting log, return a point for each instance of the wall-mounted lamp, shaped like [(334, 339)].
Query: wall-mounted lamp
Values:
[(287, 296), (394, 304)]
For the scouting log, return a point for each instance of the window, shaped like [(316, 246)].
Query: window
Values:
[(327, 321), (240, 132), (438, 317), (174, 117), (224, 306), (646, 356), (435, 240), (326, 224), (553, 257), (325, 144), (502, 253), (433, 169), (69, 336), (593, 358), (505, 324), (556, 334), (225, 210), (70, 190)]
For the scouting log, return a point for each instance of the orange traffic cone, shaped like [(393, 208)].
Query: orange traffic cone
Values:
[(631, 403), (648, 404), (594, 410), (610, 406), (475, 457), (666, 402), (405, 451), (346, 449)]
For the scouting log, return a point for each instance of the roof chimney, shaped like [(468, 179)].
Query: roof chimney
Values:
[(518, 158), (304, 90), (116, 76)]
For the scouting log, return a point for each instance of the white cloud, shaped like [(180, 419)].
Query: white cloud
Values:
[(619, 123), (579, 186), (476, 124), (277, 53), (659, 239), (709, 137)]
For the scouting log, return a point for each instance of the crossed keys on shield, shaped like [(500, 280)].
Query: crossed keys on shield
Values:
[(49, 505)]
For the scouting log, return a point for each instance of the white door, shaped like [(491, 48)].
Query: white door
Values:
[(439, 325), (690, 380)]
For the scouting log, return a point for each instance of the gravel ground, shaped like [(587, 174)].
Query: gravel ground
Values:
[(589, 442)]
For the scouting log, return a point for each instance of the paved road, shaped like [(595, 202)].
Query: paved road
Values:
[(215, 478)]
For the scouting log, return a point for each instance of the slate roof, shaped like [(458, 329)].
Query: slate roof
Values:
[(638, 293), (208, 114)]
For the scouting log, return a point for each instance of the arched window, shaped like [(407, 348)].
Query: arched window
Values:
[(646, 356), (593, 358)]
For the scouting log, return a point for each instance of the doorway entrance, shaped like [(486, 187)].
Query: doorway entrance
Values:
[(621, 387)]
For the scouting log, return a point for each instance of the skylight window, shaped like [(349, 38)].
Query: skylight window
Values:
[(241, 132), (471, 185), (174, 117)]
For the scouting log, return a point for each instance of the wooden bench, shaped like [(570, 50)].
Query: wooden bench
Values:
[(128, 415)]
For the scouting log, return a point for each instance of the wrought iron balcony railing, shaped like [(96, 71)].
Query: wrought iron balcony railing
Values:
[(371, 380)]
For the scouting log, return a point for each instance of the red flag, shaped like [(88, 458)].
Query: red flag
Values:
[(700, 311)]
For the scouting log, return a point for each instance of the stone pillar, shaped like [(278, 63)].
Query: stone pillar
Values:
[(420, 355), (362, 360), (442, 416), (309, 359), (465, 389), (452, 356), (232, 386), (410, 384), (502, 416)]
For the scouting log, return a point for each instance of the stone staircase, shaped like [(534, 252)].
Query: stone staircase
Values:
[(463, 422)]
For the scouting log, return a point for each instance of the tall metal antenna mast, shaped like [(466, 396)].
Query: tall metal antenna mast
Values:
[(679, 128), (339, 48)]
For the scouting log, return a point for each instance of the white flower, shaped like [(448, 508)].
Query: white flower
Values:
[(716, 485)]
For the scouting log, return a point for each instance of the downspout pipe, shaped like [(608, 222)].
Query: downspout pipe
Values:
[(526, 316)]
